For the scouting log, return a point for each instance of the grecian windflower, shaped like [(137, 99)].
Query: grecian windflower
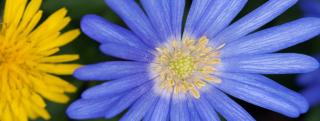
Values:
[(170, 73), (28, 60)]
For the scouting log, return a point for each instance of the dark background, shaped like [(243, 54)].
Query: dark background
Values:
[(89, 53)]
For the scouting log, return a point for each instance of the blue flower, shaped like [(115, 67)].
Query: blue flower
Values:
[(170, 74), (311, 82), (310, 7)]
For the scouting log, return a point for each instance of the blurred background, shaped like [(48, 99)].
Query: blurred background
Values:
[(89, 53)]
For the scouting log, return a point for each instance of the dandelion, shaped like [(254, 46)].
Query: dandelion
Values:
[(28, 60), (170, 74)]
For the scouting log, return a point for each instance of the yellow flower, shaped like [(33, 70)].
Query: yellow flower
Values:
[(28, 60)]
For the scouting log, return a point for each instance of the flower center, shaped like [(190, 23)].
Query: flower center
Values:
[(185, 66)]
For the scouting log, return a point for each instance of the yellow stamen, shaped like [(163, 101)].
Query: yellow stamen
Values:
[(181, 65)]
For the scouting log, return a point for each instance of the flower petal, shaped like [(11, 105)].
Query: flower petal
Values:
[(116, 86), (161, 111), (259, 97), (270, 64), (126, 52), (127, 100), (194, 115), (309, 78), (311, 93), (269, 85), (275, 38), (205, 110), (104, 31), (137, 21), (179, 108), (158, 12), (211, 13), (109, 70), (87, 109), (140, 108), (198, 8), (253, 21), (229, 109), (177, 12), (225, 17)]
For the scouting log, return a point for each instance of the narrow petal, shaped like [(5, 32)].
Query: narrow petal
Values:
[(194, 115), (270, 64), (127, 100), (309, 78), (275, 38), (177, 12), (89, 108), (158, 12), (259, 97), (116, 86), (126, 52), (225, 106), (161, 111), (270, 86), (179, 108), (104, 31), (198, 8), (225, 17), (137, 21), (140, 108), (109, 70), (211, 14), (205, 110), (254, 20), (311, 93)]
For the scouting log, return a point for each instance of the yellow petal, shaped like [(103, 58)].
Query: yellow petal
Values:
[(60, 69)]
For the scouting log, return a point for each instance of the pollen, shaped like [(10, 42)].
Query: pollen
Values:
[(185, 66)]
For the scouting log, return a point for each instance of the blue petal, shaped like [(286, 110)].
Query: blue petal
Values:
[(148, 116), (127, 100), (225, 106), (210, 15), (137, 21), (310, 7), (159, 15), (179, 108), (109, 70), (104, 31), (312, 94), (270, 64), (126, 52), (253, 21), (177, 12), (225, 17), (274, 39), (194, 115), (116, 86), (259, 97), (309, 78), (140, 108), (87, 109), (269, 85), (205, 110), (198, 8), (161, 111)]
